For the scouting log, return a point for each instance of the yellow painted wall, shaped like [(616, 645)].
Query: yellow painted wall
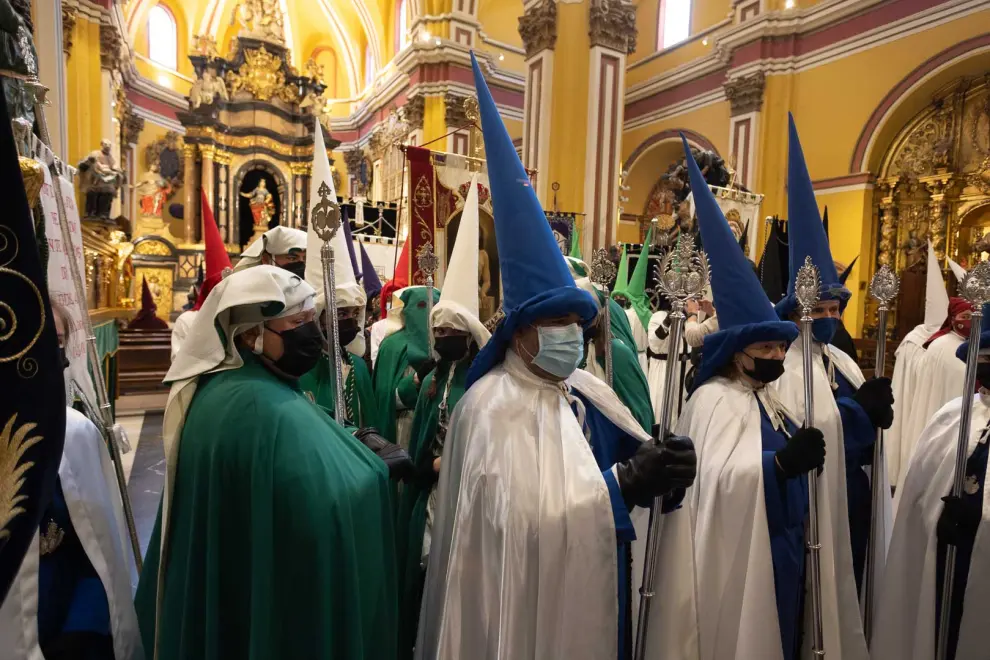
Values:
[(83, 91), (178, 80)]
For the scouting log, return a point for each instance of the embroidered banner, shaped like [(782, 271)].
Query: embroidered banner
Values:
[(422, 206)]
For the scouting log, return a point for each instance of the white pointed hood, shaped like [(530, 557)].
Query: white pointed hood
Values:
[(348, 292), (936, 297), (957, 270), (458, 306)]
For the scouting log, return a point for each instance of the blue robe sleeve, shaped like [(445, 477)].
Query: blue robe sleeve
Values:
[(857, 432), (624, 530)]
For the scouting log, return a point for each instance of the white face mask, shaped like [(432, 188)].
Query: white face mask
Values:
[(561, 349)]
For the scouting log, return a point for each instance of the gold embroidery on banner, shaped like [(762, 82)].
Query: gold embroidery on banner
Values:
[(51, 538), (13, 445), (10, 349)]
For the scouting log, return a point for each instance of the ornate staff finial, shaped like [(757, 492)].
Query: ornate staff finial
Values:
[(884, 286), (603, 270), (807, 286), (325, 216), (427, 260), (975, 287), (683, 273)]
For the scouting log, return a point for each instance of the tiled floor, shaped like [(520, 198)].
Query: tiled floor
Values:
[(144, 467)]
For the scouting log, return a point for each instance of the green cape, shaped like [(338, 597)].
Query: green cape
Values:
[(398, 352), (412, 502), (282, 542), (320, 382), (575, 242), (630, 384), (622, 276), (636, 290)]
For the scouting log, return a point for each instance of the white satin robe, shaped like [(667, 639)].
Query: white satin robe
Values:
[(90, 489), (639, 336), (901, 437), (523, 562), (942, 380), (905, 624)]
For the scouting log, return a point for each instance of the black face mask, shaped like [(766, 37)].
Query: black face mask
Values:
[(347, 329), (65, 358), (297, 268), (765, 370), (452, 348), (302, 348), (983, 373)]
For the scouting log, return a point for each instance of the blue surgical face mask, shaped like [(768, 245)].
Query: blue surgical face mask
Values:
[(824, 329), (561, 349)]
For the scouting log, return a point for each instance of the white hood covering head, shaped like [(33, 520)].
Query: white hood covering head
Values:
[(239, 302), (957, 270), (936, 297), (277, 242), (458, 306), (348, 292)]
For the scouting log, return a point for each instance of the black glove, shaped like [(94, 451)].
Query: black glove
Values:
[(804, 452), (958, 521), (396, 459), (424, 369), (656, 470), (876, 398)]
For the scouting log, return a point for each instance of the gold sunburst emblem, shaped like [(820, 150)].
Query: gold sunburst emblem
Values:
[(13, 445)]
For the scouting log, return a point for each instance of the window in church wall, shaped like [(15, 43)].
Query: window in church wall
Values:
[(401, 25), (162, 37), (673, 23)]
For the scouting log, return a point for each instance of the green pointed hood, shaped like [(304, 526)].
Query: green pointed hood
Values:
[(622, 277), (575, 242), (636, 289)]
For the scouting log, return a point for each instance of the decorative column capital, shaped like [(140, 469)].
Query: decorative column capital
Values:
[(189, 151), (613, 25), (745, 94), (538, 27), (132, 127), (353, 160), (454, 114), (69, 15), (415, 111), (110, 42)]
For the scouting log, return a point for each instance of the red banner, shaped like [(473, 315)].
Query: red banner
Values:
[(422, 206)]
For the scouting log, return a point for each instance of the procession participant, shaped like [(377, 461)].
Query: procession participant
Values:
[(217, 262), (842, 339), (458, 336), (520, 484), (147, 317), (658, 354), (900, 439), (750, 501), (320, 383), (621, 329), (619, 294), (403, 362), (274, 537), (847, 410), (372, 289), (695, 331), (640, 311), (280, 246), (928, 519), (391, 301), (72, 595)]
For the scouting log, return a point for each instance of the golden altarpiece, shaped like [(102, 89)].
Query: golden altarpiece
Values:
[(247, 149), (934, 184)]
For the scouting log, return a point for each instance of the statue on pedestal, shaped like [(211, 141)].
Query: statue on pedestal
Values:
[(207, 89), (261, 19), (100, 181), (152, 191), (262, 207)]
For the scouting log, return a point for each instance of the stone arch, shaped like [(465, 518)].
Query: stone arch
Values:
[(694, 139)]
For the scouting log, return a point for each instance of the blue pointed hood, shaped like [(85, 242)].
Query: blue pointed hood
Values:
[(350, 243), (536, 282), (805, 231), (745, 315), (369, 277)]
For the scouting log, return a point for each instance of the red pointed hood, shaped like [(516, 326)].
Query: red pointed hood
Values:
[(217, 260), (400, 279)]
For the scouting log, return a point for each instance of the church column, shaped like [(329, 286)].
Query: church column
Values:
[(745, 96), (109, 129), (130, 133), (938, 185), (221, 159), (538, 29), (888, 222), (48, 40), (191, 205), (613, 37), (301, 172), (207, 152)]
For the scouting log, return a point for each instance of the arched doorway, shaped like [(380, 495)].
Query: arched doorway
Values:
[(246, 182)]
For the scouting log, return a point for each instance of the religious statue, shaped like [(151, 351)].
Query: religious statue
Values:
[(18, 56), (260, 18), (152, 191), (486, 302), (262, 206), (100, 180), (735, 222), (915, 249), (207, 89)]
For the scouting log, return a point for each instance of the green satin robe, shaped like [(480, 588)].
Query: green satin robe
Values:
[(359, 393), (282, 540)]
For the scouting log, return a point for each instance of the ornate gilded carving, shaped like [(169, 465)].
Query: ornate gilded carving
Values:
[(205, 46), (301, 169), (152, 248), (261, 19), (261, 76), (745, 94), (538, 27), (938, 211), (353, 159), (132, 127), (454, 113), (69, 15), (415, 111), (222, 156), (388, 133), (14, 443), (930, 145), (110, 42), (613, 25), (888, 222), (208, 88)]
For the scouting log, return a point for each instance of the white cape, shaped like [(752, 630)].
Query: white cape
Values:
[(523, 563), (96, 512), (942, 381), (900, 438), (843, 624), (180, 329), (639, 336), (736, 603), (906, 626)]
